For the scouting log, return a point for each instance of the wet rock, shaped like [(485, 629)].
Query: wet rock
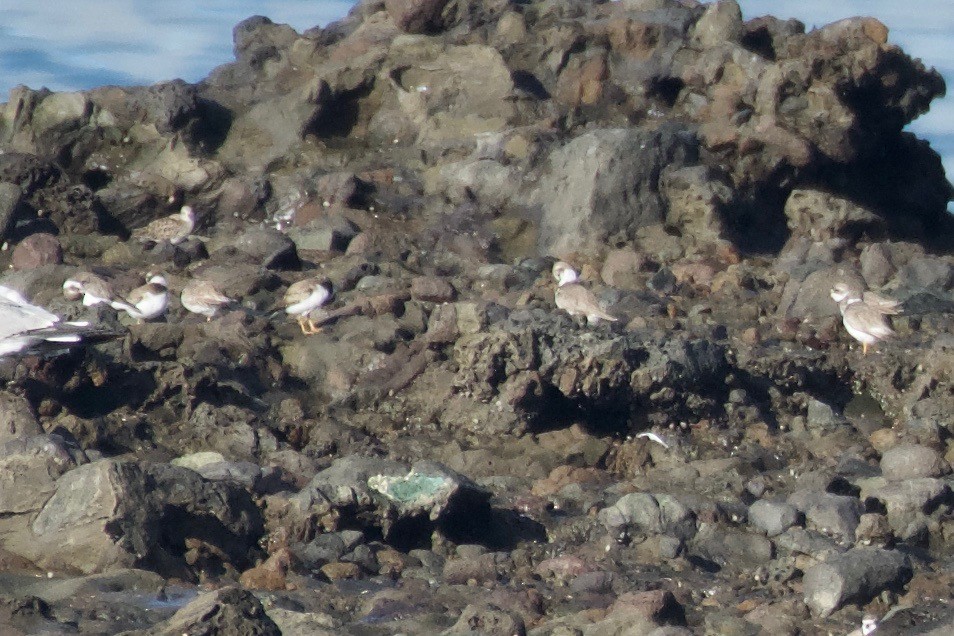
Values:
[(773, 518), (911, 461), (858, 575), (37, 250), (230, 610)]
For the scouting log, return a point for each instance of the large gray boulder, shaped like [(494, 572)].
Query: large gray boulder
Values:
[(111, 514), (604, 185), (858, 575)]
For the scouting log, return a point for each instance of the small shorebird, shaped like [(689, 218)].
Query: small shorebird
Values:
[(863, 314), (201, 297), (93, 289), (305, 296), (575, 299), (148, 301), (25, 327), (174, 228)]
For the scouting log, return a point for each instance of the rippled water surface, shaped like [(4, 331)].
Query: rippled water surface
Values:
[(85, 43)]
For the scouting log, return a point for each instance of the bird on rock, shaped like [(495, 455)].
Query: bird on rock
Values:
[(575, 299), (148, 301), (174, 228), (863, 314), (201, 297), (305, 296)]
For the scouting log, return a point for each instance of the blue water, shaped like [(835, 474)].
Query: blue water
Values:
[(79, 44)]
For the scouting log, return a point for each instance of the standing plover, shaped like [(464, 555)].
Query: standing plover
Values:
[(863, 314), (174, 228), (303, 297), (149, 301), (25, 327), (575, 299), (201, 297)]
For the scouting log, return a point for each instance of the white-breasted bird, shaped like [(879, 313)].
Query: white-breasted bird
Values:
[(575, 299), (25, 327), (863, 314), (93, 289), (305, 296), (174, 228), (201, 297), (148, 301)]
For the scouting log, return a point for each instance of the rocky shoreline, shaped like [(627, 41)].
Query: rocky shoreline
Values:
[(451, 453)]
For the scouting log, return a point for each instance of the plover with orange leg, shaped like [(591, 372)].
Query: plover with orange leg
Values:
[(174, 228), (575, 299), (305, 296), (148, 301), (201, 297), (25, 328), (864, 319)]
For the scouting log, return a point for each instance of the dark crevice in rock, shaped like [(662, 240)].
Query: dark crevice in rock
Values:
[(337, 118)]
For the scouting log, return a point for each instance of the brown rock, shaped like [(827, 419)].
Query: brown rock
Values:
[(654, 605), (621, 269), (415, 16), (338, 570), (270, 574), (582, 82), (883, 439), (633, 38), (432, 289), (37, 250), (695, 272)]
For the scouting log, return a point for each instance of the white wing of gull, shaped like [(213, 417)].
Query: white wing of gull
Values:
[(23, 325)]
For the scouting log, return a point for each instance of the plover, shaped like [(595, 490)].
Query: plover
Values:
[(303, 297), (201, 297), (174, 228), (575, 299), (25, 327), (148, 301), (93, 289), (864, 316)]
